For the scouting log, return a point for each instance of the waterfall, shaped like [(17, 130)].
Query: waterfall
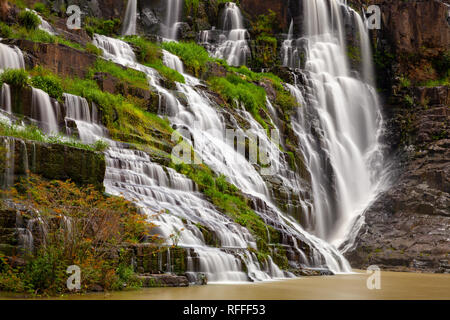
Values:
[(88, 127), (132, 174), (44, 25), (43, 111), (173, 17), (115, 49), (10, 58), (8, 174), (232, 45), (129, 24), (5, 99), (339, 123)]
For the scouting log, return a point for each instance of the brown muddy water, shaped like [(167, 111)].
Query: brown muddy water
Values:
[(394, 286)]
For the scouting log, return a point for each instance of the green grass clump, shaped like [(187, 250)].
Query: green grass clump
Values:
[(131, 76), (42, 9), (166, 72), (436, 83), (5, 30), (47, 82), (405, 82), (38, 35), (29, 20), (35, 134), (234, 88), (125, 120), (101, 26), (90, 48), (148, 52), (18, 78), (193, 56)]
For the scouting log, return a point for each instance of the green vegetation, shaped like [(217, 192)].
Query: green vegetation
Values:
[(234, 88), (98, 224), (37, 35), (409, 100), (442, 66), (125, 119), (148, 52), (27, 29), (266, 24), (35, 134), (90, 48), (263, 29), (19, 3), (191, 6), (130, 76), (354, 54), (101, 26), (436, 83), (227, 198), (241, 87), (193, 56), (404, 82), (48, 82), (5, 30), (29, 20), (150, 55), (18, 78), (166, 72), (42, 9)]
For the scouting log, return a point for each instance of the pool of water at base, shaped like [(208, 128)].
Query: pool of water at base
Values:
[(394, 285)]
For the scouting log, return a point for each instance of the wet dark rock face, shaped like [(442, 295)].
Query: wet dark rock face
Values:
[(56, 162), (408, 227)]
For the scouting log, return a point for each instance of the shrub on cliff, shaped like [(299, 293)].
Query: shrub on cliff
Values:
[(235, 89), (15, 77), (5, 30), (29, 20), (194, 56), (101, 26), (82, 227), (148, 52), (90, 48), (42, 9), (48, 83)]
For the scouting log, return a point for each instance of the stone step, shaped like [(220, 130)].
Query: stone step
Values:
[(163, 280)]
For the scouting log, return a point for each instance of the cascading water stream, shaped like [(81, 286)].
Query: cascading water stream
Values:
[(131, 173), (129, 24), (339, 123), (172, 19), (88, 127), (232, 45), (206, 124), (44, 25), (5, 101), (43, 110), (10, 58)]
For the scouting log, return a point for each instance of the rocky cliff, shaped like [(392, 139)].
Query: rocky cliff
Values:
[(407, 227)]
